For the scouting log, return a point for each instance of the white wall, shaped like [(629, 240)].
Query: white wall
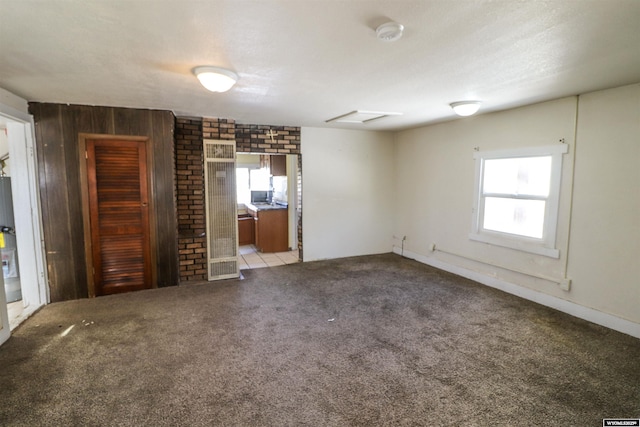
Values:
[(604, 256), (248, 160), (347, 192), (598, 237), (435, 183)]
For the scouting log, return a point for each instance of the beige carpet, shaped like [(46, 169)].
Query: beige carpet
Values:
[(367, 341)]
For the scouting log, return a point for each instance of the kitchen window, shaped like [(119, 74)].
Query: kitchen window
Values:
[(516, 199), (248, 179), (243, 185)]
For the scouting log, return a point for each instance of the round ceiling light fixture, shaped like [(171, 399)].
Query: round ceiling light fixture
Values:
[(465, 108), (389, 31), (216, 79)]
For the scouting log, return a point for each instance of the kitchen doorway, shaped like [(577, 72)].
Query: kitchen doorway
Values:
[(268, 209)]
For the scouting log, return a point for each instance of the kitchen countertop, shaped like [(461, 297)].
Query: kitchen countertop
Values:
[(263, 206)]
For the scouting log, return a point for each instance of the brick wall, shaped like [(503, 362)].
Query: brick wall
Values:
[(224, 129), (257, 139), (189, 134), (192, 245), (299, 213)]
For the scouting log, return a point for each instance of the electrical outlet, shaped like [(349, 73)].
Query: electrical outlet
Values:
[(565, 284), (433, 247)]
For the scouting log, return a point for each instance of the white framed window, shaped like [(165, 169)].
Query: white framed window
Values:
[(516, 197)]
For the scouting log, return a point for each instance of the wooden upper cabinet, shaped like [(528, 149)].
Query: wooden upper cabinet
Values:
[(278, 165)]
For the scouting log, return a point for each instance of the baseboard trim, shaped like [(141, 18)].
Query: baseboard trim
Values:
[(26, 313), (582, 312)]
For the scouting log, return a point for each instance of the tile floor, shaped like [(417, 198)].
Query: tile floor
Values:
[(251, 258)]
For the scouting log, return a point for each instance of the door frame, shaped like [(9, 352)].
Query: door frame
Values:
[(21, 137), (86, 212), (5, 328), (294, 182)]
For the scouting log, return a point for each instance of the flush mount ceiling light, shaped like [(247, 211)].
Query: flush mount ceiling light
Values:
[(216, 79), (360, 116), (389, 31), (465, 108)]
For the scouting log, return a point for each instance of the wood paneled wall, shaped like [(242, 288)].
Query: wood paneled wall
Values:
[(57, 129)]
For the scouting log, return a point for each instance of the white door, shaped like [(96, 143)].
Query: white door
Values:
[(19, 128), (4, 316), (27, 215)]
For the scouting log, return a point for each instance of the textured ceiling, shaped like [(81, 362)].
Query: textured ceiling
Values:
[(304, 62)]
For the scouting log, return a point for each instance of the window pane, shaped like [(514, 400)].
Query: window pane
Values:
[(260, 180), (242, 184), (524, 176), (514, 216)]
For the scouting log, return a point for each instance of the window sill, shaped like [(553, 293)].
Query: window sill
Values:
[(520, 245)]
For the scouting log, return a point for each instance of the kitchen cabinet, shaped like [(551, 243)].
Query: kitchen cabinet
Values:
[(246, 227), (271, 229), (278, 164)]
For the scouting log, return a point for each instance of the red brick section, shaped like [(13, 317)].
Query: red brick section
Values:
[(224, 129), (257, 139), (299, 213), (189, 134), (192, 245)]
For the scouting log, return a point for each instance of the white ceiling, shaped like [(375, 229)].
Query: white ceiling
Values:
[(302, 62)]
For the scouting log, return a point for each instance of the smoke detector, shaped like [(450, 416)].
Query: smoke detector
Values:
[(390, 31)]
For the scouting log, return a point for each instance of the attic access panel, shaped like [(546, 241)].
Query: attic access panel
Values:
[(359, 116)]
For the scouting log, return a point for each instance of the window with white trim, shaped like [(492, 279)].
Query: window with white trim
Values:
[(516, 199)]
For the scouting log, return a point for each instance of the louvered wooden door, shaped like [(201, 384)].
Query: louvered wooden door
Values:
[(119, 215)]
